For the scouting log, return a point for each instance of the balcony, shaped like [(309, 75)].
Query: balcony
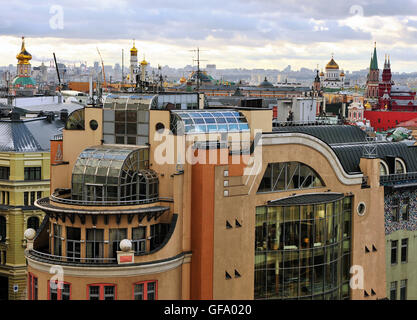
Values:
[(50, 258), (399, 180)]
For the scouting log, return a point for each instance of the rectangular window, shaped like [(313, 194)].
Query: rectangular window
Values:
[(26, 198), (393, 291), (403, 290), (395, 211), (57, 240), (95, 243), (115, 236), (139, 239), (102, 292), (39, 195), (404, 250), (394, 248), (32, 287), (158, 233), (32, 198), (146, 290), (59, 291), (404, 209), (73, 244), (32, 173), (4, 173)]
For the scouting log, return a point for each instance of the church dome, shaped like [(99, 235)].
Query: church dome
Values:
[(266, 84), (332, 65), (342, 74), (322, 74), (23, 56), (134, 51), (144, 63)]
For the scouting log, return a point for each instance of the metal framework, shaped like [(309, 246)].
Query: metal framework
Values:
[(76, 120)]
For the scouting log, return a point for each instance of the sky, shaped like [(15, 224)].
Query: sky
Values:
[(267, 34)]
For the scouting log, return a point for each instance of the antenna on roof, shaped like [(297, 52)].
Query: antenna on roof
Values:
[(198, 67)]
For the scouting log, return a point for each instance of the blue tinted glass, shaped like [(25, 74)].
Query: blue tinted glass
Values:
[(188, 121), (199, 120), (243, 126), (184, 115), (210, 120), (222, 127), (212, 127), (229, 114), (233, 127), (200, 128), (195, 115), (231, 120), (221, 120), (207, 115), (217, 114)]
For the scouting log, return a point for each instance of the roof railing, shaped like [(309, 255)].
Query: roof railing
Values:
[(54, 198), (277, 123), (395, 178), (77, 260)]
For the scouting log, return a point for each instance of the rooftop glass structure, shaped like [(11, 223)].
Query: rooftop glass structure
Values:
[(115, 174), (207, 121)]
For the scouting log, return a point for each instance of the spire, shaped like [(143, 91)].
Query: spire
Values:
[(374, 61)]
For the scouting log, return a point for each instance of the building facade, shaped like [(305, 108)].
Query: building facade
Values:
[(150, 221)]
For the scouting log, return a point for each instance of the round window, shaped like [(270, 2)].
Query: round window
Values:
[(159, 127), (93, 125), (361, 209)]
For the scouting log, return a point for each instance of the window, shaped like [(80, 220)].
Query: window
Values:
[(57, 240), (400, 166), (394, 248), (115, 236), (289, 176), (95, 244), (404, 250), (383, 166), (32, 287), (2, 229), (404, 209), (139, 239), (146, 290), (73, 244), (393, 291), (4, 173), (5, 197), (403, 290), (33, 223), (26, 198), (158, 233), (32, 173), (395, 211), (102, 292)]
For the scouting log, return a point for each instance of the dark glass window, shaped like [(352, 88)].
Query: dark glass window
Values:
[(404, 250), (32, 287), (115, 236), (139, 239), (393, 290), (32, 173), (102, 292), (394, 249), (395, 211), (26, 198), (57, 240), (403, 290), (33, 223), (4, 173), (2, 229), (146, 290), (158, 234), (95, 244), (404, 209), (73, 244)]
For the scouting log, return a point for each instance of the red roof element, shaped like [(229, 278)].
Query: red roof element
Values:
[(408, 124)]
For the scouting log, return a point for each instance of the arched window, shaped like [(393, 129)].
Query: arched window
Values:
[(33, 223), (76, 120), (2, 229), (400, 166), (289, 176), (383, 168)]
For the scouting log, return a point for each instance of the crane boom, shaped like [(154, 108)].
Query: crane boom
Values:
[(102, 66)]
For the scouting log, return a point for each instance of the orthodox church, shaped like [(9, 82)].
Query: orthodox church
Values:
[(333, 78), (23, 82)]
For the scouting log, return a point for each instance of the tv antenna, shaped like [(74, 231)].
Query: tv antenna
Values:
[(198, 60)]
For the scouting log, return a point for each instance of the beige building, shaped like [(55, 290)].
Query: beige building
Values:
[(214, 210)]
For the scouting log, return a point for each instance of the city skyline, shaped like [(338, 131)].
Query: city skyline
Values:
[(237, 34)]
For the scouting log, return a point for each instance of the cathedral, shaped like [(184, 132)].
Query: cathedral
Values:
[(334, 78), (23, 83)]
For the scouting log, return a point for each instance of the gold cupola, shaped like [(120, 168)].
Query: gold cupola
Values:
[(134, 51), (332, 65), (23, 57)]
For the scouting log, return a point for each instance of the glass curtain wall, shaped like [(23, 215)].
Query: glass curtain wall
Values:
[(303, 252)]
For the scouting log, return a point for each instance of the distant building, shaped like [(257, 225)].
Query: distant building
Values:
[(333, 78), (24, 84)]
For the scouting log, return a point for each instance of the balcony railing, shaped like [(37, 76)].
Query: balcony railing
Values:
[(69, 201), (55, 258), (398, 178)]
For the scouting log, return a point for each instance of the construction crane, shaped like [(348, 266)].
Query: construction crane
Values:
[(102, 66)]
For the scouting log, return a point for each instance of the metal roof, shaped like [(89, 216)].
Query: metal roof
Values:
[(307, 199), (331, 134), (32, 135)]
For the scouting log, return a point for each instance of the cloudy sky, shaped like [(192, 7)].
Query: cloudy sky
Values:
[(269, 34)]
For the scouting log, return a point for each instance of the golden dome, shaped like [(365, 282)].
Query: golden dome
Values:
[(342, 74), (183, 80), (332, 65), (368, 106), (134, 51), (143, 63), (23, 56), (322, 74)]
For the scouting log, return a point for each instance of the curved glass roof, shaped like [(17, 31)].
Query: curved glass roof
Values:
[(206, 121), (76, 120), (113, 173)]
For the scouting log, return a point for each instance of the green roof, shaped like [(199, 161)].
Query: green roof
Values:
[(374, 61), (24, 81)]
